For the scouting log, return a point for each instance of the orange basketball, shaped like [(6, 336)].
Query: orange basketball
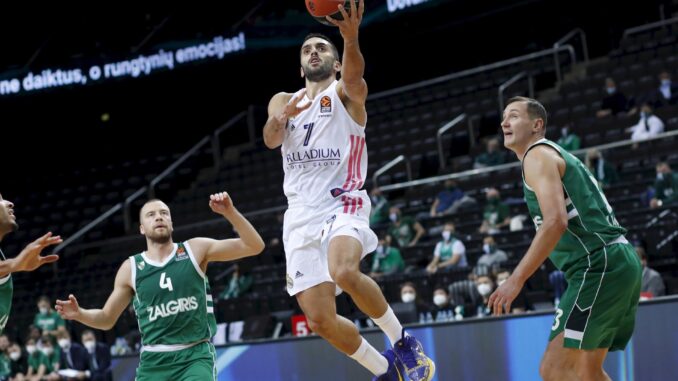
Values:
[(321, 8)]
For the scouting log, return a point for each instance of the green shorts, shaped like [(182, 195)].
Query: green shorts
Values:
[(196, 363), (598, 309)]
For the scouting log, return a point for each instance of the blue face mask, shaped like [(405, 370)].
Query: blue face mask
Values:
[(611, 90), (643, 115)]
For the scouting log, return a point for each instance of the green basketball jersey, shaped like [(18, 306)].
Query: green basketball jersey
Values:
[(172, 300), (6, 291), (591, 221)]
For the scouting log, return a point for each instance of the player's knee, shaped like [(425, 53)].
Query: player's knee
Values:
[(548, 370), (346, 278), (322, 324)]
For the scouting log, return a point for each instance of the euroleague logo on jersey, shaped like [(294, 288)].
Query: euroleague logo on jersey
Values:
[(325, 104)]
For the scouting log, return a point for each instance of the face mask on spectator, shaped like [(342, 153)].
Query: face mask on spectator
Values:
[(439, 300), (643, 115), (408, 297), (47, 351), (64, 343), (15, 355), (30, 349), (446, 235), (611, 90), (43, 310), (484, 289), (89, 345), (393, 217), (666, 82), (563, 131), (488, 249)]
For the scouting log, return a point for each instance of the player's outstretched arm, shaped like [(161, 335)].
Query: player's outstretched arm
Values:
[(106, 317), (213, 250), (281, 107), (352, 83), (543, 175), (30, 259)]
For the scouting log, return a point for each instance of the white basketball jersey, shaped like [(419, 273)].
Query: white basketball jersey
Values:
[(324, 154)]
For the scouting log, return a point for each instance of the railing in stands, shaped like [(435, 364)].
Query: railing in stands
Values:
[(511, 81), (441, 131), (390, 165), (652, 25), (585, 49), (472, 172)]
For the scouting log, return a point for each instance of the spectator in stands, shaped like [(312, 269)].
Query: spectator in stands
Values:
[(73, 356), (34, 332), (442, 309), (665, 187), (450, 200), (408, 294), (485, 285), (387, 259), (559, 284), (601, 170), (652, 284), (449, 252), (492, 257), (37, 361), (99, 357), (19, 363), (5, 362), (238, 285), (568, 139), (51, 358), (521, 303), (648, 126), (47, 319), (496, 214), (404, 230), (667, 92), (614, 102), (492, 156), (380, 207)]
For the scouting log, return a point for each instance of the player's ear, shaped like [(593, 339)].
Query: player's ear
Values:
[(141, 229), (538, 125), (337, 66)]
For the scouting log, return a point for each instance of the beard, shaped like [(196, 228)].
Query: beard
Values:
[(319, 73), (160, 238)]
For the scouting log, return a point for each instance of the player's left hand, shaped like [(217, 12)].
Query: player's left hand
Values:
[(501, 299), (221, 203), (348, 27)]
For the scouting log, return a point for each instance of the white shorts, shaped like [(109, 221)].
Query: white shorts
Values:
[(308, 231)]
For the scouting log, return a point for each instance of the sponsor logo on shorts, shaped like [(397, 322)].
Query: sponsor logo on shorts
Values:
[(298, 275), (331, 219), (325, 104)]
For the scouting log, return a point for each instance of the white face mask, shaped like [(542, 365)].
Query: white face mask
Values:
[(15, 355), (30, 349), (563, 131), (43, 310), (484, 289), (447, 235), (47, 351), (64, 343), (393, 217), (666, 82), (486, 248), (89, 344), (611, 90), (439, 300), (408, 297)]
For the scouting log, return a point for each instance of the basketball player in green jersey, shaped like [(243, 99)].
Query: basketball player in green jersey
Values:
[(577, 229), (28, 260), (171, 293)]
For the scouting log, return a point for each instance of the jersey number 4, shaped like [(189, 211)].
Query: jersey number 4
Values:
[(166, 282)]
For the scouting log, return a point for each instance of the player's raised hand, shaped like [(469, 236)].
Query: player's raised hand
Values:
[(221, 203), (68, 309), (292, 108), (348, 27), (29, 259)]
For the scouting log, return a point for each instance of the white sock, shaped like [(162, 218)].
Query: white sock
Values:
[(368, 357), (390, 325)]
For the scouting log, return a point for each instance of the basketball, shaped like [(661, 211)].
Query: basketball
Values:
[(321, 8)]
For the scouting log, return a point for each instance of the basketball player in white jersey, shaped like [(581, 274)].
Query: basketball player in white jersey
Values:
[(326, 231)]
